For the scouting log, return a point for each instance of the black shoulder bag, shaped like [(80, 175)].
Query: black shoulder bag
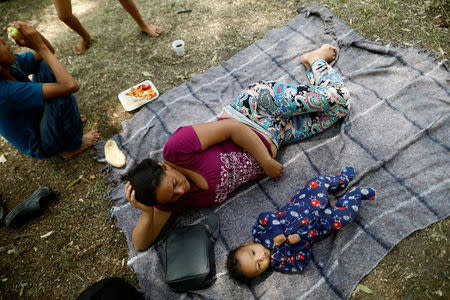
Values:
[(188, 255)]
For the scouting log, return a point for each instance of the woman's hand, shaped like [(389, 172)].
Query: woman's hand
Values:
[(150, 222), (279, 239), (272, 168), (29, 36), (131, 197), (293, 238)]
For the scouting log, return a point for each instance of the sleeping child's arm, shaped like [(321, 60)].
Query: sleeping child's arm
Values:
[(293, 238), (268, 230), (291, 258), (279, 239)]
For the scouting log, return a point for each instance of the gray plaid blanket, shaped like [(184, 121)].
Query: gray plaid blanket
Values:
[(396, 137)]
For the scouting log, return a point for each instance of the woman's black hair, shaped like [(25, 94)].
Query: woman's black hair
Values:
[(234, 267), (145, 178)]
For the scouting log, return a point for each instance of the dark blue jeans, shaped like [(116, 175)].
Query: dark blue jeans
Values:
[(60, 128)]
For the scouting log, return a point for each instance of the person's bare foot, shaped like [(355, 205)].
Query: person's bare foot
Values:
[(81, 47), (151, 30), (88, 140), (83, 119), (326, 52)]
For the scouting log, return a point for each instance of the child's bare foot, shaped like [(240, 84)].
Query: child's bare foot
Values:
[(326, 52), (81, 47), (151, 29), (89, 139)]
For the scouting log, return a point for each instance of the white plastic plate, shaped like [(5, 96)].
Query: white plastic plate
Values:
[(130, 102)]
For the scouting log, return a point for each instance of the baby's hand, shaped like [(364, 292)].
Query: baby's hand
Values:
[(279, 239), (293, 238)]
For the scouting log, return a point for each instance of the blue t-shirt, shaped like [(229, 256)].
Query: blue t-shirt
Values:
[(21, 107)]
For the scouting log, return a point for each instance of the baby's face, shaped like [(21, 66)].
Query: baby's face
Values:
[(253, 259)]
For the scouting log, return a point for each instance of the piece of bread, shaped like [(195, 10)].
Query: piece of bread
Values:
[(113, 155)]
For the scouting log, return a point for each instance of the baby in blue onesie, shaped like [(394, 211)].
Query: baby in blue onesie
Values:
[(283, 240)]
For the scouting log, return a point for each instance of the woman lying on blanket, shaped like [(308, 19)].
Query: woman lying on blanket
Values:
[(203, 163), (283, 240)]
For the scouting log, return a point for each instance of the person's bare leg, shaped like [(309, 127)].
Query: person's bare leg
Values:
[(131, 8), (89, 139), (64, 10), (326, 52)]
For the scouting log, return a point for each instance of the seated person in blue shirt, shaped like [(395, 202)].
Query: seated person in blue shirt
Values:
[(283, 240), (39, 117)]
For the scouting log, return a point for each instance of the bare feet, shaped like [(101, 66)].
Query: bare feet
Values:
[(81, 47), (151, 29), (326, 52), (88, 140)]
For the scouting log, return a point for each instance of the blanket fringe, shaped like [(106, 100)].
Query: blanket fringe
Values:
[(328, 18)]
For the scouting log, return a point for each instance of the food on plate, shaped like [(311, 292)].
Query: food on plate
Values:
[(138, 95), (142, 91)]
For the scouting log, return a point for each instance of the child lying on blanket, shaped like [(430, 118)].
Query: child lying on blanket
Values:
[(283, 240)]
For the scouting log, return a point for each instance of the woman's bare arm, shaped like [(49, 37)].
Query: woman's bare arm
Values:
[(148, 228), (150, 223), (242, 135)]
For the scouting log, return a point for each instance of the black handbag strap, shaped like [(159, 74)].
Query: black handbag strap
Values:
[(213, 224)]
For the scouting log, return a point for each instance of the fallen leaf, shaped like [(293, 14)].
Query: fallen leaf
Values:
[(71, 184), (82, 178), (184, 11), (2, 158), (44, 236), (92, 177), (146, 74), (213, 60), (364, 288)]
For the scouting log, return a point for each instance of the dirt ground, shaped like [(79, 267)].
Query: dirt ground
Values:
[(84, 246)]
